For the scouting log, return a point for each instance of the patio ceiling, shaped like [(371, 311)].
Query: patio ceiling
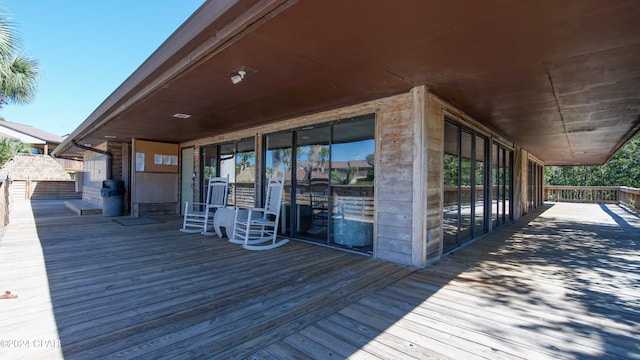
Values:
[(561, 78)]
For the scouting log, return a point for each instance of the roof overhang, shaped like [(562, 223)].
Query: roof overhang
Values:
[(561, 78)]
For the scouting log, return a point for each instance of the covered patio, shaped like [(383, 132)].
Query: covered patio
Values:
[(561, 282)]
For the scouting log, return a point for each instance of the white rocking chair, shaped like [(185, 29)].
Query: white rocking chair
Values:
[(259, 225), (199, 218)]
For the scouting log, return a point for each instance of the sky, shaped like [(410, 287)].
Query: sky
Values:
[(85, 49)]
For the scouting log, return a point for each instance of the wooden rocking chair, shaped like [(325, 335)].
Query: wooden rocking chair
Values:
[(259, 225), (199, 217)]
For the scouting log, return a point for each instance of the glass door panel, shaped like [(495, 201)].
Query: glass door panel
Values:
[(465, 189), (245, 170), (209, 168), (312, 183), (500, 184), (479, 223), (451, 183), (278, 151), (236, 160), (495, 185), (227, 161), (349, 211), (508, 173)]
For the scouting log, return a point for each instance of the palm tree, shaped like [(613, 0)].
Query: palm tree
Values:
[(18, 74), (10, 147)]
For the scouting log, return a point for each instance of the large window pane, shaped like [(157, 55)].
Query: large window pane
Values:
[(312, 182), (479, 207), (496, 192), (237, 161), (501, 180), (278, 161), (507, 185), (245, 166), (503, 185), (209, 161), (451, 183), (465, 189), (350, 206)]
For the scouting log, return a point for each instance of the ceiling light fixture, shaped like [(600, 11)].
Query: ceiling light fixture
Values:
[(238, 76), (181, 116), (110, 137)]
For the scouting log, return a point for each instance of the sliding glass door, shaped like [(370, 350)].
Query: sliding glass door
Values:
[(350, 205), (501, 179), (329, 172), (465, 185), (313, 146)]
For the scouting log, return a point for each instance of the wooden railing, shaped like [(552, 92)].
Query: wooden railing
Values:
[(629, 197)]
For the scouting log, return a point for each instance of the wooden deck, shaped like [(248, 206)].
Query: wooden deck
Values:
[(561, 283)]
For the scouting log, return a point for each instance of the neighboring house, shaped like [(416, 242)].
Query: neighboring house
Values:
[(38, 177), (457, 105), (41, 142)]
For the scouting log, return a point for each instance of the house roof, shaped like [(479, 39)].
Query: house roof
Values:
[(561, 78), (33, 167), (28, 134)]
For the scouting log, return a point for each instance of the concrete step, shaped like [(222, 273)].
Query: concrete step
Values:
[(83, 207)]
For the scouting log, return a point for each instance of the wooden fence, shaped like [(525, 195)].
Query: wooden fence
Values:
[(44, 190)]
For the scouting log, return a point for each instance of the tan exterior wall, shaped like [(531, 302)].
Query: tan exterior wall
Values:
[(395, 123), (95, 171)]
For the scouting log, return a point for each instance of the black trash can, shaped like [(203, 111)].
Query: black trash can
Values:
[(112, 197)]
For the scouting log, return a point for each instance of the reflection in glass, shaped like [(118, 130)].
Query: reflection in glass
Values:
[(350, 206), (329, 176), (466, 192), (508, 154), (237, 162), (209, 161), (465, 187), (278, 161), (479, 192), (495, 185), (451, 183), (312, 182), (501, 178)]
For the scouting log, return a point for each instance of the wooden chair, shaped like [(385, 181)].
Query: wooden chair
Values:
[(199, 217), (255, 226)]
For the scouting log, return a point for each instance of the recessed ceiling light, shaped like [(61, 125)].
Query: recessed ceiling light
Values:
[(110, 137), (181, 116), (580, 130)]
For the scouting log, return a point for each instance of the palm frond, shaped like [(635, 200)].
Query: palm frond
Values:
[(8, 37), (18, 80)]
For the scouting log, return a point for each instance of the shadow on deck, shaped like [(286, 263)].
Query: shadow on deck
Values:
[(563, 282)]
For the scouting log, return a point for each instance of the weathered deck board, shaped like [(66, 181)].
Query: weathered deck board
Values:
[(563, 285)]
